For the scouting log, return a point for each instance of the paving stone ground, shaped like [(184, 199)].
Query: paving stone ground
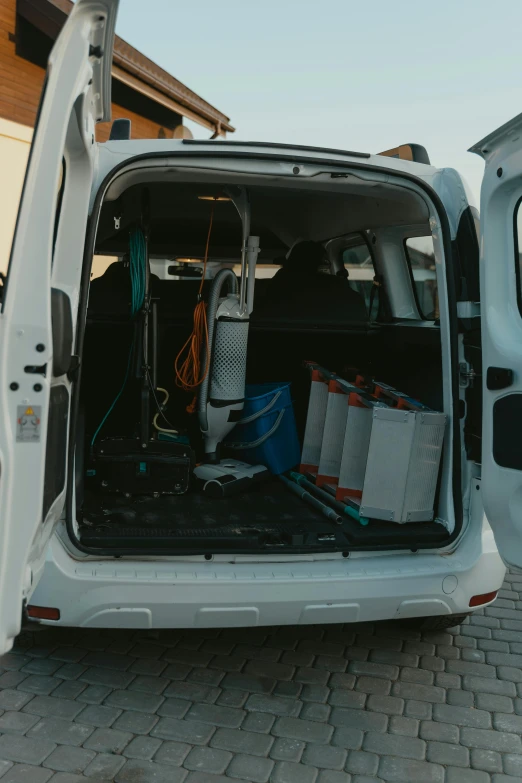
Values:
[(309, 704)]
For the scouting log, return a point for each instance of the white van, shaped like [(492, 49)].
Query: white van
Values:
[(63, 354)]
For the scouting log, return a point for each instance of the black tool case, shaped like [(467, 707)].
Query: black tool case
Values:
[(122, 465)]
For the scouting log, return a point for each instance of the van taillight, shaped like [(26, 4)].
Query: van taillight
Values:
[(43, 613), (485, 598)]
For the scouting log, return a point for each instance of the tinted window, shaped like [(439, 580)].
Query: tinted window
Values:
[(421, 259), (467, 256), (358, 263)]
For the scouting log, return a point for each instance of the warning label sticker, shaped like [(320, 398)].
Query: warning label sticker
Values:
[(28, 420)]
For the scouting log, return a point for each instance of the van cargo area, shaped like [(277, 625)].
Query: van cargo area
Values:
[(337, 315)]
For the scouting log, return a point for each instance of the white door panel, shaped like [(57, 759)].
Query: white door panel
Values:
[(502, 337), (47, 254)]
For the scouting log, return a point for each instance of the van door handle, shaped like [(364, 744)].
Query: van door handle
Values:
[(499, 378)]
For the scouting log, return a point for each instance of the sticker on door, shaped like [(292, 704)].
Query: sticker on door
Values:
[(28, 420)]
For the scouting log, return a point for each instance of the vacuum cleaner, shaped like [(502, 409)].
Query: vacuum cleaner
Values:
[(222, 393)]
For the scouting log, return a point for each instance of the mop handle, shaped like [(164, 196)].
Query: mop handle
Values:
[(328, 499), (323, 509)]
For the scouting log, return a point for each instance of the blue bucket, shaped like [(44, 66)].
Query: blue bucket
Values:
[(266, 433)]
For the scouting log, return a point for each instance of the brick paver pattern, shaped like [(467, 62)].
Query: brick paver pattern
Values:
[(308, 704)]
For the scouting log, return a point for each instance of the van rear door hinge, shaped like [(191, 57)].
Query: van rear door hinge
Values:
[(468, 309), (467, 375)]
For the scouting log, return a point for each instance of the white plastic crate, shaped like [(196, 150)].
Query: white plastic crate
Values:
[(333, 435), (313, 436), (384, 458), (403, 464), (355, 448)]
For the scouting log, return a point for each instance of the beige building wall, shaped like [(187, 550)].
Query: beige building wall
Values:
[(15, 143), (100, 264)]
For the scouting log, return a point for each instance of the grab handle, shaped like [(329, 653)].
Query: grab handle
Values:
[(260, 440), (264, 410)]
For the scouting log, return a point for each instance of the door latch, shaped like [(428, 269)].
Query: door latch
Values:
[(74, 368)]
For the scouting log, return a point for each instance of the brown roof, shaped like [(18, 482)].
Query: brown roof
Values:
[(131, 67)]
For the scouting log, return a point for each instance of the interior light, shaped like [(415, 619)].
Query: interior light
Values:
[(183, 260), (43, 613), (214, 198), (485, 598)]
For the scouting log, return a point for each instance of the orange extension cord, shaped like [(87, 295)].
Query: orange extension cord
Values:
[(188, 370)]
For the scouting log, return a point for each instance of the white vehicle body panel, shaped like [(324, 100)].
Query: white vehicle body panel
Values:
[(139, 593), (185, 594), (76, 96), (148, 592), (501, 327)]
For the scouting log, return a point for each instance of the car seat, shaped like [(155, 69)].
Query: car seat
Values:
[(299, 292)]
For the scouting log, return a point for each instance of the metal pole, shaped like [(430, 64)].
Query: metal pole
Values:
[(242, 204), (322, 508), (252, 254), (145, 390), (342, 508)]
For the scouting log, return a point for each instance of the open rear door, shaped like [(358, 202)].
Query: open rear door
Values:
[(501, 297), (40, 301)]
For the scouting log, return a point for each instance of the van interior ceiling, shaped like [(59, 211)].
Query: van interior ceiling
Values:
[(340, 322)]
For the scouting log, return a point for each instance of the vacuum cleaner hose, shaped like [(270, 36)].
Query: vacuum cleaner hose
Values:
[(224, 275)]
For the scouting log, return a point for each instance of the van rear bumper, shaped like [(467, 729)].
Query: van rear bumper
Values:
[(192, 594)]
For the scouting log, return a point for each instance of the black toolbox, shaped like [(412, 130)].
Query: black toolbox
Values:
[(123, 465)]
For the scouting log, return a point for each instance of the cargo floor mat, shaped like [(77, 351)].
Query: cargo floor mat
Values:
[(268, 516)]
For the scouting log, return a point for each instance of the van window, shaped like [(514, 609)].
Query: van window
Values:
[(420, 254), (358, 263), (262, 271)]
